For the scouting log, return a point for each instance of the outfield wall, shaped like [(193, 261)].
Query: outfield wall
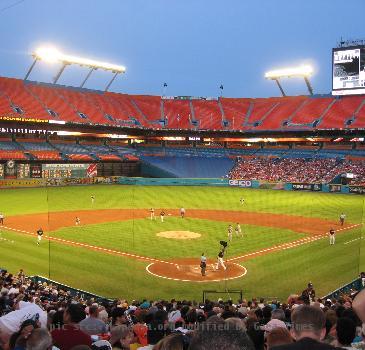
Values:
[(220, 182)]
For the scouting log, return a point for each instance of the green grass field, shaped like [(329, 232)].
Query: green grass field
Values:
[(277, 274)]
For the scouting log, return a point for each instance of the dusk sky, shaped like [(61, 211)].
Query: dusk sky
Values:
[(192, 45)]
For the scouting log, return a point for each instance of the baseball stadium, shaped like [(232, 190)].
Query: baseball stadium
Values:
[(117, 195)]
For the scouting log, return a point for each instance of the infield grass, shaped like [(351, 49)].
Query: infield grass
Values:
[(277, 274)]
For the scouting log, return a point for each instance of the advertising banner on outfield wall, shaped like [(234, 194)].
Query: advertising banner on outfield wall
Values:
[(271, 185), (306, 187), (335, 188), (357, 189), (240, 183)]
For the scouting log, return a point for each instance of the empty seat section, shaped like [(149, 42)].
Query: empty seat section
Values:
[(235, 110), (109, 107), (281, 113), (260, 108), (15, 155), (341, 111), (109, 157), (82, 104), (80, 157), (20, 97), (150, 106), (311, 110), (53, 101), (360, 119), (178, 114), (126, 106), (40, 145), (46, 155), (208, 114)]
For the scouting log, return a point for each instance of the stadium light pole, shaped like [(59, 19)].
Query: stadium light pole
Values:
[(31, 68), (49, 54), (302, 71)]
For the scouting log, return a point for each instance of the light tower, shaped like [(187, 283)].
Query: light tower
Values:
[(303, 71)]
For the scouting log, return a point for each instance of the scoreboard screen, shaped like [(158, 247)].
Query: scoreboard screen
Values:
[(348, 70)]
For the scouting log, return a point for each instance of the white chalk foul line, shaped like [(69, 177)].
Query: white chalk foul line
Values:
[(93, 247), (290, 245), (353, 240)]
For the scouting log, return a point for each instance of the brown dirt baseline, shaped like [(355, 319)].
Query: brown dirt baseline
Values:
[(177, 269)]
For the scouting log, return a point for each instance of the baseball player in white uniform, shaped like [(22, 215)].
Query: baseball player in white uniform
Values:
[(238, 230), (230, 232), (332, 236)]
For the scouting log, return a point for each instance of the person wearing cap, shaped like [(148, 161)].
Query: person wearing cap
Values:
[(309, 294)]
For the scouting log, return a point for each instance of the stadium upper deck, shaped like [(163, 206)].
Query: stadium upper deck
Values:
[(73, 105)]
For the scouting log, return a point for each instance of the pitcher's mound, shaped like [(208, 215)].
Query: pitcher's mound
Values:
[(178, 234)]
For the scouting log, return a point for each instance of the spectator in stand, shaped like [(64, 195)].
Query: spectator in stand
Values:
[(18, 339), (308, 329), (278, 336), (121, 338), (70, 335), (217, 334), (176, 341), (39, 339), (345, 332), (92, 325)]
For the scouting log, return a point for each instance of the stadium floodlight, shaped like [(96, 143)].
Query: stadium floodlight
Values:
[(51, 54), (304, 71)]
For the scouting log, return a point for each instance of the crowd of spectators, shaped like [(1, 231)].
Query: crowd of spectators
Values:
[(297, 169), (41, 316)]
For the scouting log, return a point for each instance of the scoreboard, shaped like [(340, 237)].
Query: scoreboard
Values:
[(348, 70), (58, 171)]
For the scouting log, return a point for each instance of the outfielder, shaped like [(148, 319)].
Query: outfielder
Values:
[(39, 235), (332, 236)]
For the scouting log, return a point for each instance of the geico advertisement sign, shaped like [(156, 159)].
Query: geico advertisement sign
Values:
[(240, 183)]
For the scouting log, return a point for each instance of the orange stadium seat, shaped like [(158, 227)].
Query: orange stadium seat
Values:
[(79, 157), (208, 114), (46, 155), (311, 110), (109, 157), (235, 110), (15, 155), (178, 113)]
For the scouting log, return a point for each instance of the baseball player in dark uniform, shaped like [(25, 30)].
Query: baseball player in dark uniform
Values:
[(39, 235), (220, 261), (203, 264)]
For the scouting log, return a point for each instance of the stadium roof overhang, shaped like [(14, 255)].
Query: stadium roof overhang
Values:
[(15, 123)]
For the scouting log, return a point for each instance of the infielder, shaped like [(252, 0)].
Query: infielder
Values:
[(152, 214), (238, 230), (1, 218), (162, 214), (77, 221), (182, 212), (332, 236), (39, 235), (342, 219), (220, 261), (230, 232)]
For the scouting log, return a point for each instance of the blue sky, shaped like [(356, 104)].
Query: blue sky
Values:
[(192, 45)]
